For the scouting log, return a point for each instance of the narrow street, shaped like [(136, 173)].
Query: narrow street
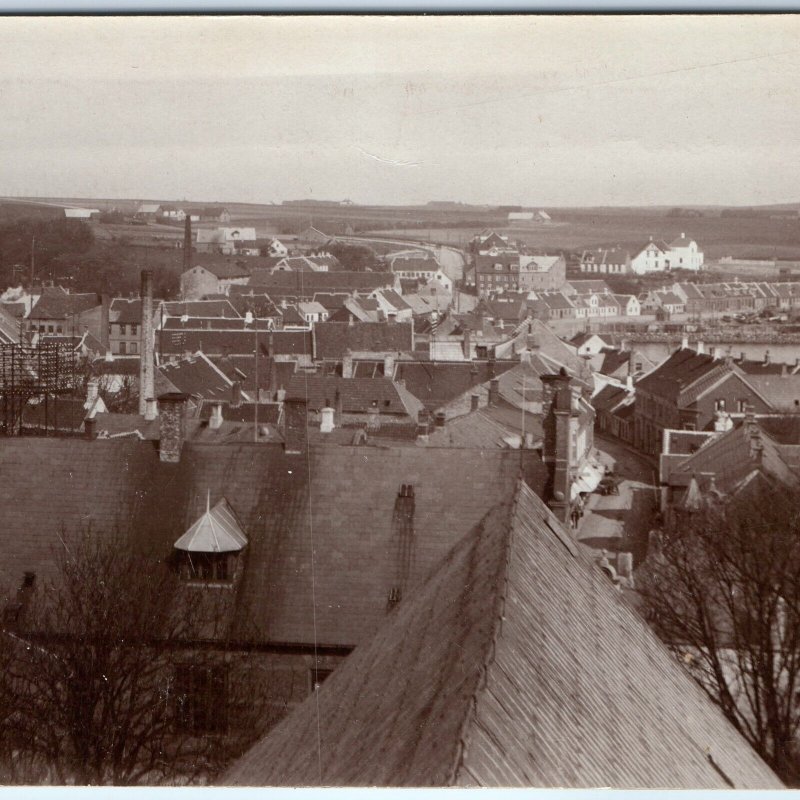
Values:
[(621, 522)]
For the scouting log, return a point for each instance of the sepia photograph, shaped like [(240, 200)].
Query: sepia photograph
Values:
[(400, 401)]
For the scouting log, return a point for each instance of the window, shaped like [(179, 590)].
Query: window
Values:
[(688, 426), (122, 330), (59, 329), (122, 348), (133, 348), (318, 677), (206, 567), (719, 405), (134, 329), (201, 699), (741, 406)]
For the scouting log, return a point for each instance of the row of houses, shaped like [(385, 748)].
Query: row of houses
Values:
[(654, 256), (498, 264), (176, 213), (437, 491)]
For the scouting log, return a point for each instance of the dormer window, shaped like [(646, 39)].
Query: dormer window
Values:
[(208, 549)]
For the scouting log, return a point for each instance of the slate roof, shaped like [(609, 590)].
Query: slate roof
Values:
[(226, 269), (516, 663), (413, 264), (333, 339), (331, 301), (200, 308), (332, 499), (218, 343), (359, 395), (437, 383), (56, 303), (268, 413)]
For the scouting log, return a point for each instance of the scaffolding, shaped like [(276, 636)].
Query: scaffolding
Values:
[(42, 373)]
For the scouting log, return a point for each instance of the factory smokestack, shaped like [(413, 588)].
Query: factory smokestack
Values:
[(146, 366), (187, 243)]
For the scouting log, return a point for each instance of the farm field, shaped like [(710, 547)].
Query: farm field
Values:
[(740, 237)]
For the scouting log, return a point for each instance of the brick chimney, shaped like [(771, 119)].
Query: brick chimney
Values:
[(146, 339), (556, 415), (236, 394), (294, 426), (105, 309), (388, 366), (467, 346), (90, 428), (473, 402), (494, 391), (172, 428), (422, 424)]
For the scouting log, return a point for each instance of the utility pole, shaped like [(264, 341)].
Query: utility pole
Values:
[(255, 370), (33, 257)]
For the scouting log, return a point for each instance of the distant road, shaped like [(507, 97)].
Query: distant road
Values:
[(451, 259)]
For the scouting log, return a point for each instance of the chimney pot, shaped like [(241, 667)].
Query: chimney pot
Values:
[(327, 423), (236, 394), (151, 409), (90, 427), (701, 348), (440, 419), (215, 421), (474, 399)]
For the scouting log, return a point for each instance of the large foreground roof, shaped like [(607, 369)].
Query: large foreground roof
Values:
[(517, 663)]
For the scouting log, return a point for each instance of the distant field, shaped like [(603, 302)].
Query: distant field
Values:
[(763, 238), (757, 236)]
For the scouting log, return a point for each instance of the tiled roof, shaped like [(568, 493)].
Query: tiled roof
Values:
[(268, 413), (609, 398), (16, 310), (331, 500), (413, 264), (226, 269), (782, 392), (680, 371), (307, 283), (119, 365), (331, 301), (195, 376), (476, 429), (272, 374), (218, 343), (200, 308), (394, 299), (212, 324), (260, 305), (437, 383), (516, 663), (333, 339), (60, 413), (55, 303), (729, 459), (125, 311), (359, 395)]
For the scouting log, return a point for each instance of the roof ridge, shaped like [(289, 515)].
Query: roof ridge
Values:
[(499, 613)]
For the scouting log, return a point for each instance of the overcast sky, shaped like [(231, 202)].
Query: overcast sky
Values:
[(517, 110)]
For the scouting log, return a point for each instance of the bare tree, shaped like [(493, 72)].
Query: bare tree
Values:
[(724, 593), (104, 682)]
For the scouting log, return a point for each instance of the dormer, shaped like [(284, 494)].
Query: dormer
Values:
[(209, 550)]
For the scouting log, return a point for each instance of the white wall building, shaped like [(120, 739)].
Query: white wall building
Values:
[(682, 253)]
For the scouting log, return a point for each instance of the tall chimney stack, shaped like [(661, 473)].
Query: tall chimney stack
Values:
[(146, 366), (187, 243)]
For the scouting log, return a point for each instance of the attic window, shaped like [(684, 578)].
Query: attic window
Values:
[(206, 567), (318, 677)]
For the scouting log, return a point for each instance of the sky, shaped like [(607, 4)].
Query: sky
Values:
[(535, 111)]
